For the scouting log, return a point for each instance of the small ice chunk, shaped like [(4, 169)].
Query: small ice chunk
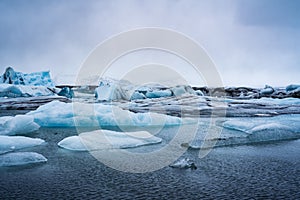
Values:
[(105, 139), (19, 124), (184, 163), (12, 143), (21, 158)]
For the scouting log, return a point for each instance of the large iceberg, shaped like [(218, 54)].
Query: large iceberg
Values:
[(17, 125), (17, 84), (21, 158), (34, 79), (13, 143), (60, 114), (105, 139)]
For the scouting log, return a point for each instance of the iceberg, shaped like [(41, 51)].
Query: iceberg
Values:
[(292, 87), (21, 158), (110, 89), (16, 84), (12, 143), (268, 90), (34, 79), (105, 139), (60, 114), (17, 125)]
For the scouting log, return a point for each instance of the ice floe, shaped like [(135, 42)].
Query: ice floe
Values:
[(13, 143), (60, 114), (238, 131), (17, 125), (21, 158), (105, 139)]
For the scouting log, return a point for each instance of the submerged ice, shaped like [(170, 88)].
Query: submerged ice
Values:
[(105, 139)]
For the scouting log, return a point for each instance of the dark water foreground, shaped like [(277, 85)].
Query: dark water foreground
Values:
[(265, 171)]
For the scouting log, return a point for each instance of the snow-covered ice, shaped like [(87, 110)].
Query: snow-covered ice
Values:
[(105, 139), (13, 143), (17, 125), (21, 158)]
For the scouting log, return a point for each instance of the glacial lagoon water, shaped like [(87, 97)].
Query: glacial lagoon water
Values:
[(256, 171)]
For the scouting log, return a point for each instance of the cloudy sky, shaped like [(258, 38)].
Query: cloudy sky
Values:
[(252, 42)]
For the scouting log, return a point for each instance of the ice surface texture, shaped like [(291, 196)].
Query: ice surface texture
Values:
[(104, 139)]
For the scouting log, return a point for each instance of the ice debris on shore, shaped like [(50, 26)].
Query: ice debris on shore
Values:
[(105, 139)]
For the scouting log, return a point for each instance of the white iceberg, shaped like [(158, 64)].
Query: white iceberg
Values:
[(12, 143), (104, 139), (19, 124), (110, 89), (60, 114), (21, 158)]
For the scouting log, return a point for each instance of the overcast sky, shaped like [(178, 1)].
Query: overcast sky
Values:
[(252, 42)]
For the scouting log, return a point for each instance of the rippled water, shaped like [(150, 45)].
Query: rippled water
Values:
[(239, 172)]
